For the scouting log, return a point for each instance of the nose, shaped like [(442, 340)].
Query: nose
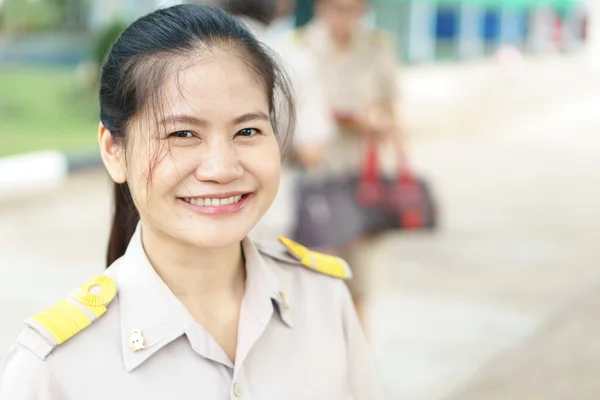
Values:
[(220, 164)]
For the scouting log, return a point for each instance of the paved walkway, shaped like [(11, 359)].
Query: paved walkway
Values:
[(519, 238), (513, 157)]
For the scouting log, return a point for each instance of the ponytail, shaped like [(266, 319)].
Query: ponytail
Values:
[(124, 223)]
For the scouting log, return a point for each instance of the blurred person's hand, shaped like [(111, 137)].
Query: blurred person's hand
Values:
[(310, 155), (371, 123), (355, 122)]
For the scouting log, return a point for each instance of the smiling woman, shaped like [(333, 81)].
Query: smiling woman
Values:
[(189, 307)]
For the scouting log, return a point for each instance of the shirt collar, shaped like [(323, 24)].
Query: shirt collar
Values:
[(149, 307), (263, 288), (146, 305)]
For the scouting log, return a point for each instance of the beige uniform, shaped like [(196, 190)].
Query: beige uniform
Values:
[(364, 74), (299, 338)]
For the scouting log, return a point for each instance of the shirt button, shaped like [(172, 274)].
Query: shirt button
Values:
[(237, 390)]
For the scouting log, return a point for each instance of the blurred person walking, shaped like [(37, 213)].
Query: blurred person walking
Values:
[(315, 125), (189, 307), (358, 71)]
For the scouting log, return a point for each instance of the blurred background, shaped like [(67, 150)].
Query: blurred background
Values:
[(500, 103)]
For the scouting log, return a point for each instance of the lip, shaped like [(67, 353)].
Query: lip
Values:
[(219, 210), (216, 195)]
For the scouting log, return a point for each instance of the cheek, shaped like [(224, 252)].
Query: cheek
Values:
[(151, 171), (174, 167), (265, 164)]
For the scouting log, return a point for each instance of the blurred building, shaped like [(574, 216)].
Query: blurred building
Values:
[(104, 11), (61, 32), (432, 30), (428, 30)]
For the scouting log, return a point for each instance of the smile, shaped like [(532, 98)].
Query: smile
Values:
[(217, 204), (212, 202)]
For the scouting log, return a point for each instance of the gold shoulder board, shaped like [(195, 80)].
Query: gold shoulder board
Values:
[(381, 37), (74, 313), (323, 263), (299, 35)]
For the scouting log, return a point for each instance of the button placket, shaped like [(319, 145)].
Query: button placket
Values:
[(237, 390), (239, 387)]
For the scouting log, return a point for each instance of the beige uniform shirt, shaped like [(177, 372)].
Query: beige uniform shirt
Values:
[(299, 338), (353, 80)]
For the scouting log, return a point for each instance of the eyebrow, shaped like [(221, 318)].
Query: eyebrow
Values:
[(255, 116), (189, 119)]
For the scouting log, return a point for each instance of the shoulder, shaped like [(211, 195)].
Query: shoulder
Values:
[(381, 42), (298, 36), (313, 283), (290, 253), (23, 375), (381, 38), (68, 317)]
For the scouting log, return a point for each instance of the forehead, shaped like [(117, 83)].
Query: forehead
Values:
[(217, 86)]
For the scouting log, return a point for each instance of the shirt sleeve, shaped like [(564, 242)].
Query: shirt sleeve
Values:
[(23, 376), (314, 119), (388, 66), (361, 373)]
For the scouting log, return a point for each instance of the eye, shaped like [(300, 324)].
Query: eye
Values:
[(181, 134), (248, 132)]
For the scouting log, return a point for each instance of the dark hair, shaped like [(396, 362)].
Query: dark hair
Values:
[(259, 10), (138, 63)]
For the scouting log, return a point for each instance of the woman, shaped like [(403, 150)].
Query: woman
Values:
[(189, 307), (358, 70)]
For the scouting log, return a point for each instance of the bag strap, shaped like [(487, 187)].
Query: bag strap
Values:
[(405, 172), (371, 171), (369, 185)]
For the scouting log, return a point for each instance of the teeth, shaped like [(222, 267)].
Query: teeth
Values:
[(198, 202), (214, 202)]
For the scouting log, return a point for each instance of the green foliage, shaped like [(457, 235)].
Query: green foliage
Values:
[(41, 109), (105, 40), (31, 16), (21, 16)]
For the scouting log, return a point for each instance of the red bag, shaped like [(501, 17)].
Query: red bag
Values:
[(405, 200), (336, 210)]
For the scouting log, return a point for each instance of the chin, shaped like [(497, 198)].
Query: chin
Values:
[(215, 237), (219, 242)]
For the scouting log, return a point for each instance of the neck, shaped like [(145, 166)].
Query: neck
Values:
[(341, 43), (195, 273)]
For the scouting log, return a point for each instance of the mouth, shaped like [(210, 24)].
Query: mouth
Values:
[(217, 204), (214, 202)]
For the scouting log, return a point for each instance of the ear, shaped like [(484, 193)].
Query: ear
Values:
[(113, 155)]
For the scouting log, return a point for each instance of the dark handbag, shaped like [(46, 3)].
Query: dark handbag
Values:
[(401, 202), (334, 210)]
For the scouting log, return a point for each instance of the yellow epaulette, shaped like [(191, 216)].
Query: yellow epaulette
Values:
[(296, 253), (381, 37), (71, 315), (299, 35)]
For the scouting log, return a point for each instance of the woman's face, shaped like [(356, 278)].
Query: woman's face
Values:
[(211, 170)]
